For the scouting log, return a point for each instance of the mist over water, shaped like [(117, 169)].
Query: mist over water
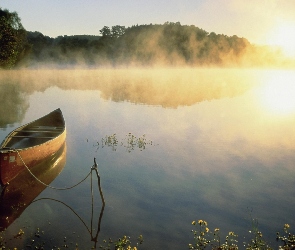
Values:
[(221, 151), (167, 45)]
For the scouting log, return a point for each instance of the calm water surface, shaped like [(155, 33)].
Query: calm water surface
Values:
[(215, 144)]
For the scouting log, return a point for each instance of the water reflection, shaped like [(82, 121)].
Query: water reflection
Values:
[(277, 93), (220, 151), (168, 88), (14, 103), (22, 190), (93, 232)]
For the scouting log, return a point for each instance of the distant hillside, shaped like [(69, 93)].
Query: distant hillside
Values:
[(170, 44)]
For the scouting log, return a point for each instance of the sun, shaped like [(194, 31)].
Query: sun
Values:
[(283, 35)]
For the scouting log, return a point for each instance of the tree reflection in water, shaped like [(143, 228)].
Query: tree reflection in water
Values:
[(14, 104)]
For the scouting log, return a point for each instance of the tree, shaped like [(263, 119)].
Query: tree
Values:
[(105, 31), (118, 31), (13, 42), (115, 32)]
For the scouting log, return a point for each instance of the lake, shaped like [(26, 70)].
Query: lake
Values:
[(172, 146)]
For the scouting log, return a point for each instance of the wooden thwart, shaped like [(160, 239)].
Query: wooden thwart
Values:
[(46, 128), (40, 131), (33, 142), (30, 136)]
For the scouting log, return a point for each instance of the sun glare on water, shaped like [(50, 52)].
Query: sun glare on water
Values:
[(283, 35), (277, 94)]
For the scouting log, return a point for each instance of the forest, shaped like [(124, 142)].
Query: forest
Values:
[(168, 44)]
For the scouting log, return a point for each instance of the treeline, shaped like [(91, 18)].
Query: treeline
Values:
[(167, 44), (13, 43)]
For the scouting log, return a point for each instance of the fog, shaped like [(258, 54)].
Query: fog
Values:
[(153, 46), (163, 87)]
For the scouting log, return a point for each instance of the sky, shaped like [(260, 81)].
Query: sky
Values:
[(260, 21)]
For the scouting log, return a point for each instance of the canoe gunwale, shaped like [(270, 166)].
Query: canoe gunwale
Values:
[(31, 152), (11, 149), (57, 129)]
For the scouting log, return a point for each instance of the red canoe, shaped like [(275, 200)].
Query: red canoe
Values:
[(24, 188), (29, 144)]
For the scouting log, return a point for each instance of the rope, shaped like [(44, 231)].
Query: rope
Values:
[(94, 238), (66, 188), (67, 207), (90, 231)]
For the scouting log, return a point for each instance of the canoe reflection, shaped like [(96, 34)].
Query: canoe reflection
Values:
[(22, 190), (91, 230)]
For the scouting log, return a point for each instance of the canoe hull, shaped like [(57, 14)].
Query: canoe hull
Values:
[(24, 188), (15, 160)]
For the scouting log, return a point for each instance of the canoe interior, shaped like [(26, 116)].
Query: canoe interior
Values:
[(37, 132), (29, 144), (33, 136)]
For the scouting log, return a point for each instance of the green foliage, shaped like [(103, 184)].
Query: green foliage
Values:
[(105, 31), (174, 44), (14, 103), (205, 238), (257, 241), (13, 41), (130, 142), (201, 235), (153, 44), (118, 31), (123, 243), (170, 44), (287, 238), (115, 32)]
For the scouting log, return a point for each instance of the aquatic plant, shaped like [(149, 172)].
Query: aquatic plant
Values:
[(123, 243), (109, 141), (130, 142), (257, 241), (205, 238), (201, 235), (287, 238)]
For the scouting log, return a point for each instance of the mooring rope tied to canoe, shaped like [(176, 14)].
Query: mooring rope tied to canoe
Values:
[(90, 231), (94, 167)]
